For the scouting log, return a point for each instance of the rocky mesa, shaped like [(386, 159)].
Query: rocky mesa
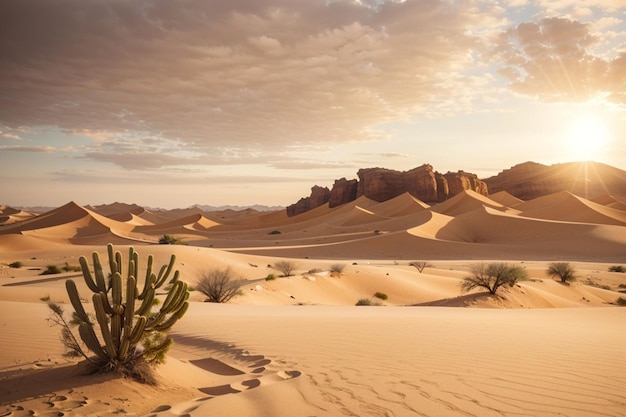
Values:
[(381, 184), (588, 179)]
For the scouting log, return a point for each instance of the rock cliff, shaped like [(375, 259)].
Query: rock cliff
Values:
[(381, 184), (586, 179), (319, 196)]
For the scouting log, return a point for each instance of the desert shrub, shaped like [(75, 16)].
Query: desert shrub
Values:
[(270, 277), (367, 302), (420, 265), (171, 240), (380, 295), (286, 267), (593, 283), (16, 264), (275, 232), (563, 270), (314, 271), (132, 337), (616, 268), (50, 270), (219, 285), (621, 301), (492, 276), (71, 268), (337, 268)]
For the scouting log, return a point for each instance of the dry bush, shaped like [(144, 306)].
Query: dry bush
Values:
[(219, 285), (367, 302), (563, 270), (492, 276), (286, 267), (420, 265)]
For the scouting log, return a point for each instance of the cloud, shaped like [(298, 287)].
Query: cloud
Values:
[(156, 83), (27, 148), (243, 74), (550, 59), (9, 135)]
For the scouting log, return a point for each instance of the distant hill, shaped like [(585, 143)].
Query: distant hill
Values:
[(257, 207), (530, 180)]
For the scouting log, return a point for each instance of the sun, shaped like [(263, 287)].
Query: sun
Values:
[(586, 139)]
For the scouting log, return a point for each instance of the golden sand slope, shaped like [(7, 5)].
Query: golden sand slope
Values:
[(297, 346)]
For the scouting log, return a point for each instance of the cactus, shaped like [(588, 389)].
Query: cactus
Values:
[(123, 313)]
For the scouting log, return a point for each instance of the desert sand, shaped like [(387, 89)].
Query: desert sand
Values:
[(298, 345)]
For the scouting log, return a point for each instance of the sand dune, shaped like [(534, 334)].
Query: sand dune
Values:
[(10, 215), (565, 206), (506, 199), (297, 345), (464, 202)]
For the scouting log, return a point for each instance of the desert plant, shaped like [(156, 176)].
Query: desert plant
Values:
[(492, 276), (614, 268), (171, 240), (420, 265), (270, 277), (367, 302), (563, 270), (337, 268), (218, 285), (286, 267), (593, 283), (51, 270), (621, 301), (16, 264), (132, 335), (380, 295), (275, 232), (71, 268)]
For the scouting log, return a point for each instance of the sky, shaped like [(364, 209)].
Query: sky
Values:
[(170, 103)]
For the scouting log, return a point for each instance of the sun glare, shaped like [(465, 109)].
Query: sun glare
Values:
[(586, 139)]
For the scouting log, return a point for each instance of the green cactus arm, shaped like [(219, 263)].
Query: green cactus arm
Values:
[(124, 348), (129, 308), (165, 272), (72, 292), (118, 261), (101, 315), (88, 336), (137, 332), (173, 302), (172, 319), (108, 308), (154, 321), (84, 267), (131, 262), (149, 268), (112, 264), (147, 285), (116, 332), (116, 293), (175, 277), (97, 269), (146, 304), (175, 297)]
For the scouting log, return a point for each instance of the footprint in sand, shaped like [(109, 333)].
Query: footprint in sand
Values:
[(16, 411), (248, 384), (239, 371), (59, 405)]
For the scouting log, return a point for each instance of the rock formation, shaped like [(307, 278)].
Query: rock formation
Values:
[(343, 190), (586, 179), (319, 196), (381, 184)]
